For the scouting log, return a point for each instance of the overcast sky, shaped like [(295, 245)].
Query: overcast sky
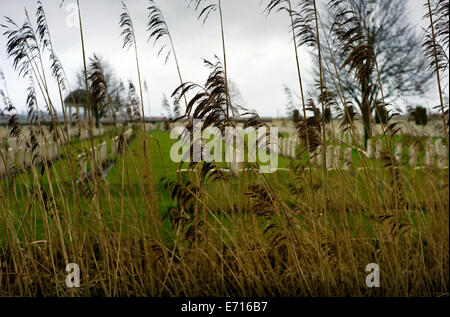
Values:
[(259, 48)]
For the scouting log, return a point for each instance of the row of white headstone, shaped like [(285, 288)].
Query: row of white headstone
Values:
[(97, 157), (436, 154), (15, 142), (19, 157), (434, 128), (82, 134)]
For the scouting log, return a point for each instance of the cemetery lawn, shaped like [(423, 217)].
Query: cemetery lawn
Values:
[(125, 196)]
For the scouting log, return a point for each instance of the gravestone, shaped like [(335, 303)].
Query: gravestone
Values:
[(129, 134), (337, 157), (399, 152), (102, 148), (28, 159), (50, 148), (13, 143), (84, 135), (2, 165), (377, 129), (441, 154), (293, 149), (330, 156), (370, 151), (55, 151), (379, 149), (82, 166), (412, 155), (318, 157), (348, 158), (113, 147), (43, 150), (359, 138), (429, 154), (21, 159), (98, 132), (93, 159), (10, 158), (116, 144), (73, 132), (287, 148), (280, 144)]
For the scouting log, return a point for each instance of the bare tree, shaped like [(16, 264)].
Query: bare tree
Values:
[(397, 47), (103, 87)]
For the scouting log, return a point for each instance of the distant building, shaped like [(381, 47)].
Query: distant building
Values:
[(77, 99)]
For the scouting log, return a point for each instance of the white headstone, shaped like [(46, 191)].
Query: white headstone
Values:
[(348, 160), (82, 165), (280, 144), (286, 147), (293, 149), (72, 132), (93, 159), (28, 158), (429, 154), (379, 149), (10, 158), (129, 134), (412, 156), (103, 149), (2, 166), (21, 154), (98, 132), (48, 149), (56, 149), (84, 135), (44, 151), (113, 147), (116, 145), (330, 157), (318, 157), (441, 154), (399, 152), (13, 143), (337, 157), (370, 151)]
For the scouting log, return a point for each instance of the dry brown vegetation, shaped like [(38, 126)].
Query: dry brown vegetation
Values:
[(146, 231)]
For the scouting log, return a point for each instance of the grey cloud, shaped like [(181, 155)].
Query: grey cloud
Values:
[(259, 49)]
